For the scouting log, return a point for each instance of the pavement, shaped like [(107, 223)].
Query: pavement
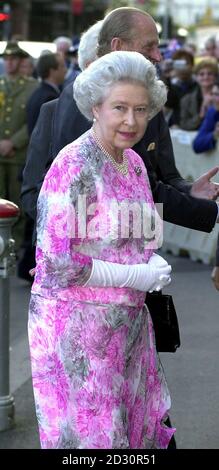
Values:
[(192, 372)]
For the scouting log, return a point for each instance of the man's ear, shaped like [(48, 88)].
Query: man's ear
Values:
[(116, 44)]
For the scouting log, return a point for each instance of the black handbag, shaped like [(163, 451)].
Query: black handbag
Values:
[(166, 327)]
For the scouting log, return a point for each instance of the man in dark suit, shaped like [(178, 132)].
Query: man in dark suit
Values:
[(169, 188), (51, 69)]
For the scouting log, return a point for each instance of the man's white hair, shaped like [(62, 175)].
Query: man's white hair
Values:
[(88, 45), (60, 40)]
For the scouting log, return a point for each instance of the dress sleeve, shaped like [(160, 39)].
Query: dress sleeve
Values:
[(61, 223)]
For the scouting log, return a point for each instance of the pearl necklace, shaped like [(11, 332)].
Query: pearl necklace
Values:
[(121, 167)]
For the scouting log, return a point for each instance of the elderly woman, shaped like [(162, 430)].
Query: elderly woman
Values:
[(194, 105), (97, 379)]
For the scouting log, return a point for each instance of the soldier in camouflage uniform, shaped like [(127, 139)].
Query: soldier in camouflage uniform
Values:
[(14, 93)]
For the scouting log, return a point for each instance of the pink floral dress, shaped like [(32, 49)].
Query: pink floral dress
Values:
[(97, 379)]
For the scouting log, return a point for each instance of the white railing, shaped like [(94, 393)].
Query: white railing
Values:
[(199, 245)]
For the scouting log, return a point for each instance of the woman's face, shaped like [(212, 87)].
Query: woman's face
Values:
[(122, 118), (205, 77)]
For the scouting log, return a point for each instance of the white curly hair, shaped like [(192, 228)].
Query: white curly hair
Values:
[(87, 51), (94, 83)]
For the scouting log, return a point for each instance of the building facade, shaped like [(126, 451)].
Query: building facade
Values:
[(43, 20)]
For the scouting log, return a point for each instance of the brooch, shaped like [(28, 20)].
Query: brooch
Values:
[(151, 146), (138, 170)]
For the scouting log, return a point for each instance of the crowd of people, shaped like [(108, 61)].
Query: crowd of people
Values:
[(190, 77), (97, 378)]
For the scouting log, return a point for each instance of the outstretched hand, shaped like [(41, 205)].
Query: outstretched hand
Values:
[(204, 188)]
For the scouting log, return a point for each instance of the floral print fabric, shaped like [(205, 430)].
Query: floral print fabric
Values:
[(97, 379)]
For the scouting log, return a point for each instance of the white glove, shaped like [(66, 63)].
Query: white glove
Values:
[(137, 276), (157, 261)]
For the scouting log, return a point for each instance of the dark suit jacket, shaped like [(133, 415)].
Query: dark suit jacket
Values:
[(60, 122), (44, 93), (38, 158)]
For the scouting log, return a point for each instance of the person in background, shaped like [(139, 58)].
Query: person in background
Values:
[(88, 45), (172, 103), (217, 49), (74, 68), (51, 70), (85, 50), (208, 134), (181, 83), (2, 66), (15, 91), (210, 47), (194, 105), (97, 379), (27, 67), (191, 46), (63, 44)]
